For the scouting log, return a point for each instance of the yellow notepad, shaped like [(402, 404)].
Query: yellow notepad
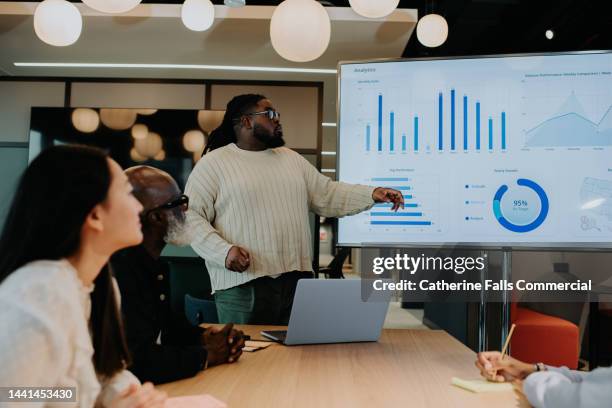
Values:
[(481, 385), (254, 345)]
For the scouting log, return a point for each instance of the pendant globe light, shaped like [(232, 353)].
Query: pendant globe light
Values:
[(57, 22), (194, 141), (118, 119), (198, 15), (373, 8), (146, 112), (137, 157), (85, 120), (112, 6), (300, 30), (139, 131), (150, 146), (432, 30), (209, 120)]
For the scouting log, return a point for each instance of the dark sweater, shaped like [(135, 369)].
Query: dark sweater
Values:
[(145, 303)]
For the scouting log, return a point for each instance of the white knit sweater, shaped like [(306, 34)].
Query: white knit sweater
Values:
[(44, 335), (259, 200)]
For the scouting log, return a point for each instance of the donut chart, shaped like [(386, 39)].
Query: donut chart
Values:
[(521, 215)]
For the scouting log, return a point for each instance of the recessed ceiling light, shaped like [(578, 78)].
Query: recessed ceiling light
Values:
[(550, 34), (175, 66), (234, 3)]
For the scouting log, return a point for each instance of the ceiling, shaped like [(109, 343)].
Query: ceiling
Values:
[(153, 33), (240, 36), (479, 27)]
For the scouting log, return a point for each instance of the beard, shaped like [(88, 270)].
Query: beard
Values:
[(270, 140), (178, 232)]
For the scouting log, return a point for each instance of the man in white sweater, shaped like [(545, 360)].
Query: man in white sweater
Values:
[(249, 203)]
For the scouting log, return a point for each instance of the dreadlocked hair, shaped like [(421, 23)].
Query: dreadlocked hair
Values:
[(226, 132)]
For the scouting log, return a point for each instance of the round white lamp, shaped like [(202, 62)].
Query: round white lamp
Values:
[(146, 112), (118, 119), (194, 141), (198, 15), (57, 22), (432, 30), (135, 156), (150, 146), (160, 156), (139, 131), (209, 120), (373, 8), (112, 6), (300, 30), (85, 120)]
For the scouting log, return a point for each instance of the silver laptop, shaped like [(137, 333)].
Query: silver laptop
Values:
[(332, 311)]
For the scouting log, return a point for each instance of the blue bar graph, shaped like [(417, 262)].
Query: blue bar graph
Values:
[(390, 205), (490, 134), (407, 196), (452, 95), (390, 179), (440, 121), (400, 222), (416, 134), (477, 125), (391, 131), (503, 130), (401, 188), (380, 122), (396, 214), (465, 122), (453, 129)]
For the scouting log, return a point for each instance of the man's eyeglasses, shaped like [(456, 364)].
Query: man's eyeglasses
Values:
[(270, 114), (182, 201)]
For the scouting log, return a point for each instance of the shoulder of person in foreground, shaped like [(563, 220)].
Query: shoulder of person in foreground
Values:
[(41, 311), (42, 283), (563, 388)]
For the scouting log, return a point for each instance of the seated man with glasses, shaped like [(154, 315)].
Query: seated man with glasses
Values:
[(164, 346)]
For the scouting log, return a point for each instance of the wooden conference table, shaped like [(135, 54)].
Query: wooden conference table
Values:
[(406, 368)]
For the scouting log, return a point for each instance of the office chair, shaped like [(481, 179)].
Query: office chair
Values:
[(191, 291), (200, 311), (334, 269)]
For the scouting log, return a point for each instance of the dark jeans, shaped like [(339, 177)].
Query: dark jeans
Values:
[(263, 300)]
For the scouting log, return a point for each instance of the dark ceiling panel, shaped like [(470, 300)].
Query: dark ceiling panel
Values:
[(502, 26)]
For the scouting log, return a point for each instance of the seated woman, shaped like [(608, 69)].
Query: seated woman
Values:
[(72, 210), (550, 387)]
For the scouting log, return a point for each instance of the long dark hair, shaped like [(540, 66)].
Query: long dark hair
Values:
[(226, 132), (54, 196)]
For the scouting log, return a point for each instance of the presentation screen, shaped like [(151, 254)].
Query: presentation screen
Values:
[(487, 151)]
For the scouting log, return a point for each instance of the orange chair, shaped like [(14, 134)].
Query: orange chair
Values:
[(542, 338)]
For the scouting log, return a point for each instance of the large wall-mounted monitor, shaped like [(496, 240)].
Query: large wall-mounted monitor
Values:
[(492, 151)]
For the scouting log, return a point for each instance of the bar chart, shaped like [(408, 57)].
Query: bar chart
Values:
[(448, 136), (421, 196)]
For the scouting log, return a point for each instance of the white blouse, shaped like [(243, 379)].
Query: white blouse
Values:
[(44, 334)]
